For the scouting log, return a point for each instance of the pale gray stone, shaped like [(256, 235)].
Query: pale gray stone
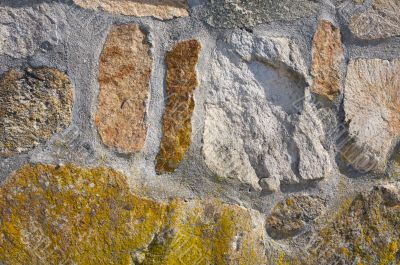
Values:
[(24, 30)]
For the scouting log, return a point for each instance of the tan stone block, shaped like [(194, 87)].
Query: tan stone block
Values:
[(124, 74), (161, 9), (372, 106)]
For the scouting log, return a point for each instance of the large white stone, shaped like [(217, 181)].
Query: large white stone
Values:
[(258, 124)]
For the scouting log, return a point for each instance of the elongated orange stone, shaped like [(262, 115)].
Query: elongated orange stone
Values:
[(181, 81)]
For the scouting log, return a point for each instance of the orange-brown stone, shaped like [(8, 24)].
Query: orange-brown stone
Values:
[(181, 81), (327, 57), (125, 69)]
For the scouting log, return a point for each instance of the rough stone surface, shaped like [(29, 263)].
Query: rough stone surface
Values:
[(181, 79), (263, 169), (34, 105), (124, 74), (253, 129), (379, 21), (372, 106), (290, 217), (327, 59), (23, 31), (242, 13), (54, 215), (161, 9)]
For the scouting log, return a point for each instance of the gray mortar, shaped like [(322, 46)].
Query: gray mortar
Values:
[(77, 53)]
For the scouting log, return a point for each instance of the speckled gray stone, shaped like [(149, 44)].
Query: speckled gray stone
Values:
[(245, 14)]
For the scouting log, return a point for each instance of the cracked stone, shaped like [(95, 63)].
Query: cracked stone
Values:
[(181, 79), (379, 21), (161, 9), (124, 74), (34, 105), (364, 228)]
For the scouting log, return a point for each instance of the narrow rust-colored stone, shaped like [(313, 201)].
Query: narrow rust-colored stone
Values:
[(181, 81), (125, 69), (327, 57)]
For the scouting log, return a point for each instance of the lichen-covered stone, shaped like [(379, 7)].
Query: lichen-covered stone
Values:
[(365, 230), (34, 105), (372, 106), (251, 101), (327, 58), (381, 20), (69, 215), (124, 74), (290, 217), (245, 14), (24, 29), (161, 9), (181, 81)]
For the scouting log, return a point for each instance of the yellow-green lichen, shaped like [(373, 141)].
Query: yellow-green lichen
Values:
[(56, 215), (53, 214)]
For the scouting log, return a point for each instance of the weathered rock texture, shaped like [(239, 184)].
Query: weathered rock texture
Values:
[(379, 21), (253, 129), (68, 215), (289, 218), (272, 160), (34, 105), (161, 9), (372, 107), (125, 68), (243, 13), (327, 59), (181, 80), (23, 31)]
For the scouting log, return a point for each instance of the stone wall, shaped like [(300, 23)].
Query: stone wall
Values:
[(200, 132)]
